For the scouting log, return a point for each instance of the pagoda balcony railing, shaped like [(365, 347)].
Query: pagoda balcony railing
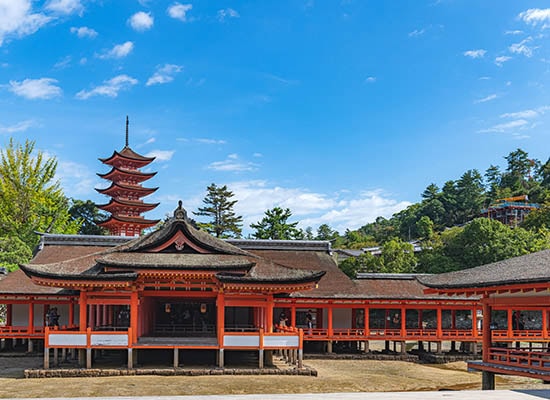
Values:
[(524, 334), (534, 359)]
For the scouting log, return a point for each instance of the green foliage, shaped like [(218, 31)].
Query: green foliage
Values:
[(539, 219), (89, 215), (397, 257), (275, 226), (13, 251), (30, 199), (325, 232), (219, 207)]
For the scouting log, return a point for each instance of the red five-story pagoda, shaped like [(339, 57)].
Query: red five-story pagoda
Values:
[(126, 192)]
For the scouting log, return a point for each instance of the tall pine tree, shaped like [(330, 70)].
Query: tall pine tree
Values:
[(219, 207)]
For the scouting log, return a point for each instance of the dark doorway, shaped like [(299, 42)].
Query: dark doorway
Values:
[(185, 318)]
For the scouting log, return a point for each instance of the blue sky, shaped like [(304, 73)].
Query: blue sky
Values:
[(339, 110)]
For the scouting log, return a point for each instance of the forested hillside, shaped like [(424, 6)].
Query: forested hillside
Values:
[(448, 223)]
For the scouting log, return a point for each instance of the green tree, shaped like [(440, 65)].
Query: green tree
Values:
[(89, 215), (31, 200), (275, 226), (219, 207), (538, 219), (13, 251), (425, 227), (325, 232), (484, 241), (470, 195), (397, 257)]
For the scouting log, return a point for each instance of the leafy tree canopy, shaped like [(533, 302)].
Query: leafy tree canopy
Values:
[(87, 212), (13, 251), (224, 223), (275, 226), (31, 199)]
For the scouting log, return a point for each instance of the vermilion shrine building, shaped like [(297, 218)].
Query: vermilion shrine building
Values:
[(178, 289)]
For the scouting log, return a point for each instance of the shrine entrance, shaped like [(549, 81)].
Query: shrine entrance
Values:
[(184, 318)]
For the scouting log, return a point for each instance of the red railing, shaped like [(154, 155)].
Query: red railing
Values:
[(532, 359)]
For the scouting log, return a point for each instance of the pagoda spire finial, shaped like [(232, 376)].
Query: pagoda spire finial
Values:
[(127, 123)]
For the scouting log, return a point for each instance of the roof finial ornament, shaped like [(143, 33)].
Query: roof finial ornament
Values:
[(180, 212), (127, 123)]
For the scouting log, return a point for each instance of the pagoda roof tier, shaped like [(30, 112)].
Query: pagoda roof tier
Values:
[(127, 156), (117, 173), (117, 220), (114, 188), (115, 204)]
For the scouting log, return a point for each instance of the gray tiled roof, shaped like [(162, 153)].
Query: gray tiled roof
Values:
[(529, 268)]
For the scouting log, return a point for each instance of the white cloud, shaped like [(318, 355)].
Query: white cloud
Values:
[(76, 179), (311, 208), (534, 16), (210, 141), (118, 51), (507, 126), (227, 13), (18, 127), (417, 32), (65, 6), (479, 53), (43, 88), (521, 114), (18, 20), (110, 88), (84, 32), (164, 74), (501, 60), (63, 63), (515, 32), (486, 99), (179, 11), (161, 155), (141, 21), (151, 140), (522, 47), (232, 164), (370, 79)]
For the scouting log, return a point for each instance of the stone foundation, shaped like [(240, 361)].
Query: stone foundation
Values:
[(96, 372)]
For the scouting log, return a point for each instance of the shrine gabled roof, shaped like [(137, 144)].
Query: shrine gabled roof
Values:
[(175, 261), (163, 250), (127, 153), (523, 270)]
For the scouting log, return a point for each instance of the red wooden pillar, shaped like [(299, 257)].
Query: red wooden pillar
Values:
[(70, 322), (293, 315), (486, 344), (510, 322), (134, 303), (544, 323), (9, 314), (420, 318), (453, 319), (220, 316), (83, 310), (104, 316), (439, 326), (269, 314), (366, 323), (30, 327), (475, 333), (403, 322), (329, 321)]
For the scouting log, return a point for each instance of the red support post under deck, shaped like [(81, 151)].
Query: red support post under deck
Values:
[(220, 317), (486, 344), (329, 322), (269, 314)]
